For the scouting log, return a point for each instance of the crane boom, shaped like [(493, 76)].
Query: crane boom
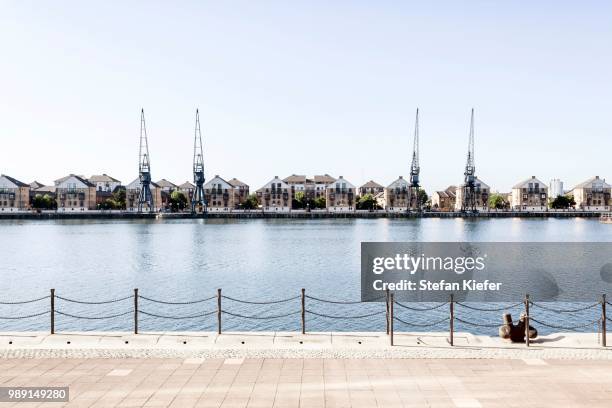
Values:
[(145, 198), (198, 201)]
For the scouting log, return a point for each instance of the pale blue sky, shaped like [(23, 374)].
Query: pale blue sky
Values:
[(307, 87)]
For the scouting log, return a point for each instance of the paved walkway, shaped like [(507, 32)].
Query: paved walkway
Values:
[(286, 383)]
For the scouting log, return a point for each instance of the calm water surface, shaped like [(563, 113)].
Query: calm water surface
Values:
[(250, 259)]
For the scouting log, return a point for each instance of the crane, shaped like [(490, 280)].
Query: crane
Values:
[(145, 198), (415, 169), (198, 201), (468, 203)]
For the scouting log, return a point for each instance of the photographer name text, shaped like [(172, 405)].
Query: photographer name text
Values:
[(441, 285)]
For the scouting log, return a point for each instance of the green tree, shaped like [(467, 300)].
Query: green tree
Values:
[(250, 203), (422, 197), (366, 202), (43, 202), (37, 202), (49, 202), (119, 198), (299, 200), (563, 202), (178, 201), (319, 202), (497, 201), (108, 204)]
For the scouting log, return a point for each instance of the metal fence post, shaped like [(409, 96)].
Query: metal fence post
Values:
[(527, 320), (387, 313), (52, 311), (391, 318), (136, 311), (303, 311), (452, 320), (603, 320), (218, 311)]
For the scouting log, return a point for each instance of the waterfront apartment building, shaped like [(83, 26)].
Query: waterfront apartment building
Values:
[(340, 196), (105, 186), (311, 187), (371, 187), (132, 194), (187, 188), (592, 195), (481, 191), (397, 196), (104, 183), (320, 184), (299, 182), (14, 194), (444, 200), (241, 191), (275, 196), (75, 193), (555, 189), (380, 200), (167, 188), (530, 195), (219, 195)]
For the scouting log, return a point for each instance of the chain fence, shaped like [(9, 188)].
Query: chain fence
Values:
[(393, 310)]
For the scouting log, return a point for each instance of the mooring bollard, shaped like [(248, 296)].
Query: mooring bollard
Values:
[(135, 311), (603, 320), (452, 319), (303, 311), (391, 318), (387, 305), (527, 320), (218, 311), (52, 297)]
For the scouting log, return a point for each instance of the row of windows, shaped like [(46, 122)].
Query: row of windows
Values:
[(542, 196)]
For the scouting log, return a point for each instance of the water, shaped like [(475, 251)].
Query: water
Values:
[(261, 259)]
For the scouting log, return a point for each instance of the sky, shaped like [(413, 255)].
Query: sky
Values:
[(308, 87)]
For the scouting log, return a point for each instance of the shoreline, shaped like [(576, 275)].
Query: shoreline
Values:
[(291, 215)]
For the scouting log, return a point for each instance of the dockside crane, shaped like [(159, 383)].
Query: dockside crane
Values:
[(415, 169), (145, 198), (468, 202), (198, 201)]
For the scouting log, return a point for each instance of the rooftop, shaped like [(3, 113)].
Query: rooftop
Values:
[(15, 181), (371, 184), (103, 178), (237, 183)]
